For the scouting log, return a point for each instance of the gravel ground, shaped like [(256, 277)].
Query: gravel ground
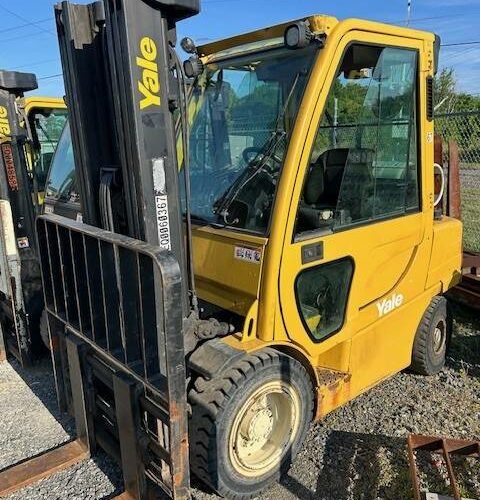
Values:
[(357, 452)]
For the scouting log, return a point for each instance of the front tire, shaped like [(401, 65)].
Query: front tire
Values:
[(430, 345), (248, 423)]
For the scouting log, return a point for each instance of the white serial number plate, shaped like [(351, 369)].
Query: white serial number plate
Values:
[(163, 223)]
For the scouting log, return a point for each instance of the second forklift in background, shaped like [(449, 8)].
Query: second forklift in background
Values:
[(242, 254), (29, 130)]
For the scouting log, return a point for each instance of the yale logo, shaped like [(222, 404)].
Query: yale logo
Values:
[(4, 125), (149, 85), (388, 305)]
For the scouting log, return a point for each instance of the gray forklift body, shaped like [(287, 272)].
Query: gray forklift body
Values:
[(21, 300)]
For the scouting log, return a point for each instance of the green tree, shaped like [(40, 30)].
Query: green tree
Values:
[(446, 97), (444, 91)]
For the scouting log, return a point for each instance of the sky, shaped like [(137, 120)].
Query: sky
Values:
[(28, 39)]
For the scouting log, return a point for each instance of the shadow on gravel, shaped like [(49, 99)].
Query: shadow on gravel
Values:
[(465, 316), (352, 465), (39, 378), (464, 352)]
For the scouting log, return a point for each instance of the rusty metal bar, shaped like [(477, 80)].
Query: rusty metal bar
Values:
[(32, 470), (438, 158), (76, 353), (453, 193), (471, 263), (126, 393), (451, 473), (413, 468), (468, 291), (445, 447), (438, 149)]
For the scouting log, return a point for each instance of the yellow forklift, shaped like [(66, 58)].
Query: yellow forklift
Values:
[(29, 130), (248, 251)]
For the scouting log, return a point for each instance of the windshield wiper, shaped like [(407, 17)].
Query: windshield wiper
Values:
[(222, 205), (224, 202)]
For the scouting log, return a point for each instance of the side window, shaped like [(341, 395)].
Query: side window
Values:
[(322, 294), (363, 165)]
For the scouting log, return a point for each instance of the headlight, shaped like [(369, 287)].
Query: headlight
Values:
[(298, 35)]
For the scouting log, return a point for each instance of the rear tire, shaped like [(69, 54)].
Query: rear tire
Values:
[(249, 422), (430, 345)]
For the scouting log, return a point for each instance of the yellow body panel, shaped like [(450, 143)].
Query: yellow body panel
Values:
[(222, 278), (446, 253), (411, 255)]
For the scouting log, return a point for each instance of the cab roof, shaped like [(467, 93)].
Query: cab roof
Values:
[(318, 24)]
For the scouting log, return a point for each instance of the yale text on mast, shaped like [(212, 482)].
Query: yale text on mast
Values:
[(149, 85), (4, 125)]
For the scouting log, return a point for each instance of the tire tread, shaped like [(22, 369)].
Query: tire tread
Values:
[(420, 362), (207, 399)]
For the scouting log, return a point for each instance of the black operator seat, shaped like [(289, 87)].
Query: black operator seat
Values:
[(322, 188)]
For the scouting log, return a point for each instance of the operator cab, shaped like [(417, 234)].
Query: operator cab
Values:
[(244, 108)]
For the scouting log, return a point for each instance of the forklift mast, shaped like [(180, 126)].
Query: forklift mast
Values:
[(117, 283), (123, 84), (19, 270)]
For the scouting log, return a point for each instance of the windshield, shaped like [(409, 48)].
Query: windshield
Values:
[(47, 127), (242, 112), (61, 185)]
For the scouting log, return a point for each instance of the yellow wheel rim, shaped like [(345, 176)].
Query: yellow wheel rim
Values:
[(264, 429)]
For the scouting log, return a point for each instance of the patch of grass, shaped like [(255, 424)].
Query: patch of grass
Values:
[(470, 198)]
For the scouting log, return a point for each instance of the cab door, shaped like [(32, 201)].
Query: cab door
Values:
[(355, 257)]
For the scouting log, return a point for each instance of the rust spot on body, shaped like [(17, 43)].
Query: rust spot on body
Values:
[(333, 390)]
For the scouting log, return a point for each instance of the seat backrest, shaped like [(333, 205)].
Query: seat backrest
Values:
[(357, 185), (325, 176), (334, 161), (314, 185)]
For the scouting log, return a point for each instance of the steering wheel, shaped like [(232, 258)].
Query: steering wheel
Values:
[(249, 153)]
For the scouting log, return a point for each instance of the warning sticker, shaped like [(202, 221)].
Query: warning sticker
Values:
[(23, 242), (249, 254), (7, 153)]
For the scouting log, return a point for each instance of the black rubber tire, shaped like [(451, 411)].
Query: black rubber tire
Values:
[(426, 360), (214, 405), (44, 329)]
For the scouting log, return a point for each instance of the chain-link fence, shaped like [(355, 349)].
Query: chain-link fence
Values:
[(464, 129)]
